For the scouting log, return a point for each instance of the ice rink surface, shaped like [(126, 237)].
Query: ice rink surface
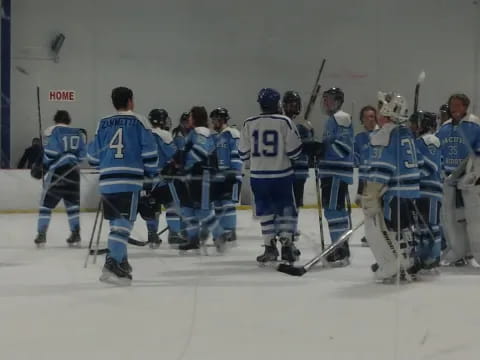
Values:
[(222, 307)]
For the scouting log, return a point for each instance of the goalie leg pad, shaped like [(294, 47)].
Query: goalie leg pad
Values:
[(454, 228), (471, 196), (381, 243)]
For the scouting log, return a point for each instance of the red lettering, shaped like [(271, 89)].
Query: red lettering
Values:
[(61, 95)]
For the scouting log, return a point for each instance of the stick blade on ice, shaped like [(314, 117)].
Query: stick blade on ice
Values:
[(291, 270)]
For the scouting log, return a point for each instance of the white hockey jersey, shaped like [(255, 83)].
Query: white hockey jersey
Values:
[(270, 142)]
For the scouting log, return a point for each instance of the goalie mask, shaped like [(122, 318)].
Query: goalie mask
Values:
[(393, 106)]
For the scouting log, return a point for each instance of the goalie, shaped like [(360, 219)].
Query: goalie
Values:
[(393, 180), (460, 147)]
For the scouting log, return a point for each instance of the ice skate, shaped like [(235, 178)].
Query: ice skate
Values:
[(74, 239), (116, 273), (363, 242), (154, 240), (40, 240), (270, 254), (340, 257), (221, 243), (231, 239), (290, 253), (193, 244), (175, 239)]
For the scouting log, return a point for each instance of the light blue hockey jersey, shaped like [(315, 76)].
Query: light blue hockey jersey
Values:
[(227, 151), (165, 145), (125, 151), (459, 141), (393, 162), (178, 138), (361, 152), (430, 165), (199, 146), (300, 164), (63, 145), (338, 140)]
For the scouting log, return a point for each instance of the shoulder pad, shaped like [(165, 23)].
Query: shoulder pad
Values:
[(382, 136), (471, 118), (163, 134), (202, 131), (430, 139), (49, 131), (342, 118), (233, 132), (143, 120)]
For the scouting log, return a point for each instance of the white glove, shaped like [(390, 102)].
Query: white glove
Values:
[(371, 199)]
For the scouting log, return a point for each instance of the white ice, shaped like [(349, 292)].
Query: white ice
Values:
[(222, 307)]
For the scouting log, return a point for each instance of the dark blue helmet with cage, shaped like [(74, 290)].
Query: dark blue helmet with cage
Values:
[(292, 103), (159, 118), (269, 100), (220, 113), (336, 93)]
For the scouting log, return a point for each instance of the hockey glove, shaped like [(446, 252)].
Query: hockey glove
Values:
[(37, 171), (314, 148)]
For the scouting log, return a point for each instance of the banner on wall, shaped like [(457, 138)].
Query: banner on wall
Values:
[(61, 95)]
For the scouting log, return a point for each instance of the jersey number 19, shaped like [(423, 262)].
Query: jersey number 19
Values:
[(265, 143)]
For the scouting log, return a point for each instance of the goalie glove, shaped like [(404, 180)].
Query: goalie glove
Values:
[(372, 194)]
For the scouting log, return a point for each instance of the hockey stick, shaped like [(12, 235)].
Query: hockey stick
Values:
[(302, 270), (422, 219), (319, 204), (315, 91), (90, 250), (40, 131), (420, 80), (306, 115)]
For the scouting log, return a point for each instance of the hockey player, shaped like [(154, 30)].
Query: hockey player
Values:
[(150, 204), (230, 174), (270, 141), (393, 180), (176, 233), (124, 151), (197, 209), (368, 118), (460, 147), (444, 114), (336, 171), (427, 229), (64, 149), (292, 106)]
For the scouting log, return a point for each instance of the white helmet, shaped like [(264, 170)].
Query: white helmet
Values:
[(393, 106)]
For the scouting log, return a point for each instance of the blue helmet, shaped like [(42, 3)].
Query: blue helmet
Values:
[(269, 99)]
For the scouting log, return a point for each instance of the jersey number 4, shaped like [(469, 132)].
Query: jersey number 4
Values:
[(117, 144), (265, 143)]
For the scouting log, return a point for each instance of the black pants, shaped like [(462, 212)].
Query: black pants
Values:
[(64, 184)]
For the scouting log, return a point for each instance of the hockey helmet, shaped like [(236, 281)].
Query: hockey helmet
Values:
[(160, 118), (269, 100), (292, 103), (392, 105)]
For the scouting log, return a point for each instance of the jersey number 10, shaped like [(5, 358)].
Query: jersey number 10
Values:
[(266, 144)]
